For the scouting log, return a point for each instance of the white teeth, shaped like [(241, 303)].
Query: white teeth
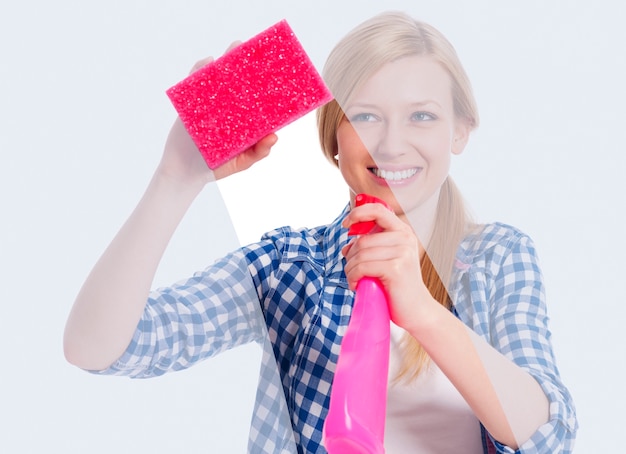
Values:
[(390, 175)]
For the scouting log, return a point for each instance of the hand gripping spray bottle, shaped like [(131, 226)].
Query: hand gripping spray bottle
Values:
[(356, 417)]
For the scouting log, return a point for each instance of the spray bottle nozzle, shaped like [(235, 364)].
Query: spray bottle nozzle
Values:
[(362, 228)]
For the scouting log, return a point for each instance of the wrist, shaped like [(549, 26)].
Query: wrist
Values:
[(169, 194), (177, 184), (429, 317)]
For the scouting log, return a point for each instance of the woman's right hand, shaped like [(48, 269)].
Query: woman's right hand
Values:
[(183, 162)]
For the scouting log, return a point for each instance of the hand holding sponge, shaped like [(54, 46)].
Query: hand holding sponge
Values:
[(251, 91)]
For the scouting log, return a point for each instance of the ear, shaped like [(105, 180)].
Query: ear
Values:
[(461, 135)]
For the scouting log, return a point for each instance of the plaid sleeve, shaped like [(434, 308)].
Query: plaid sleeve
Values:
[(214, 310), (519, 330)]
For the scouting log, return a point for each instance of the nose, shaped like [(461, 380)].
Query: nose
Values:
[(392, 142)]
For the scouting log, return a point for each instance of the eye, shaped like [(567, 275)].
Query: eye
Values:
[(363, 117), (423, 116)]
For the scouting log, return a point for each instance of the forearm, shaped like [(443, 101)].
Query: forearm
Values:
[(111, 301), (506, 399)]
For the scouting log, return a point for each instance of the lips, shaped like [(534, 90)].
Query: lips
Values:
[(394, 176)]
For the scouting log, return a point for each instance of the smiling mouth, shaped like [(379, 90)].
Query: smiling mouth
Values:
[(394, 175)]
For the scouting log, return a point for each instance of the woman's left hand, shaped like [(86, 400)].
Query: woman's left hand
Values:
[(393, 256)]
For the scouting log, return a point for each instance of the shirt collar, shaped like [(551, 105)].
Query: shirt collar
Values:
[(335, 238)]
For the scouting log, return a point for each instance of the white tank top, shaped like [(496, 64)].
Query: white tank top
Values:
[(428, 415)]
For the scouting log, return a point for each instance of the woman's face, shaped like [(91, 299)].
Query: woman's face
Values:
[(399, 133)]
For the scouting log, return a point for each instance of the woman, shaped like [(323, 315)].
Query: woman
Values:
[(403, 108)]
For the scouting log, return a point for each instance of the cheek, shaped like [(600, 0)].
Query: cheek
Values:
[(348, 141), (435, 146), (368, 135)]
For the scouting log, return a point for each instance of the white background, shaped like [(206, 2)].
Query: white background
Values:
[(83, 118)]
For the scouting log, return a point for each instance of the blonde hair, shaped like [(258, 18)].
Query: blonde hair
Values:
[(377, 41)]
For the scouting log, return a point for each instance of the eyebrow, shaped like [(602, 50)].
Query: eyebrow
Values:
[(415, 104), (424, 103)]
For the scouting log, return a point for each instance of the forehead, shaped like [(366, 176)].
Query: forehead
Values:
[(408, 80)]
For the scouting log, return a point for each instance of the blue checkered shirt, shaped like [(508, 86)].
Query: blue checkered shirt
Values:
[(289, 293)]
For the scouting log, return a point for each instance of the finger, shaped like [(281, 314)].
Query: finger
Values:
[(262, 148), (233, 45), (200, 63), (360, 253), (345, 251), (267, 142), (257, 152), (364, 213), (376, 212), (380, 261), (378, 269)]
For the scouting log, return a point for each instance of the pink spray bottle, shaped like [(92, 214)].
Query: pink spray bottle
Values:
[(356, 417)]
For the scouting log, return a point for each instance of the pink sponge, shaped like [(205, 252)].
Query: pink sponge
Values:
[(251, 91)]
